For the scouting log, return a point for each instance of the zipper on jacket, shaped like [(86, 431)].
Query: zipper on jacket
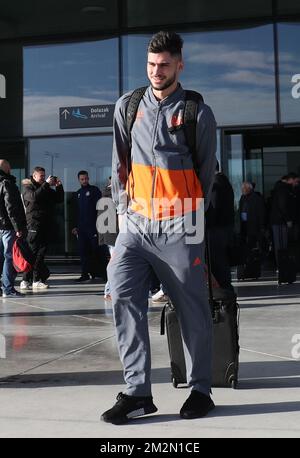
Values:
[(154, 160), (185, 179)]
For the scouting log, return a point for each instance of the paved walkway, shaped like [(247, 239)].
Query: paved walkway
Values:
[(59, 367)]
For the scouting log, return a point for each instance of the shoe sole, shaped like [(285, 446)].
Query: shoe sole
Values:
[(131, 415), (195, 415)]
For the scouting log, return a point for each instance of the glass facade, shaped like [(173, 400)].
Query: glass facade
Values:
[(289, 72), (233, 66), (67, 75), (234, 70), (64, 157)]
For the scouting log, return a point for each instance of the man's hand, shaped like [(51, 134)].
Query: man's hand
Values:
[(75, 231), (19, 234), (51, 180)]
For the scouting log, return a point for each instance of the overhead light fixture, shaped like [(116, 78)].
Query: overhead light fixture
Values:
[(93, 9)]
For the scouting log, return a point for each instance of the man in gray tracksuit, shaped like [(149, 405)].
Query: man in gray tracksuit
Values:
[(157, 196)]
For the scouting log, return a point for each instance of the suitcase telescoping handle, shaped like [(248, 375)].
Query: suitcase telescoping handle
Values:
[(208, 264), (214, 306)]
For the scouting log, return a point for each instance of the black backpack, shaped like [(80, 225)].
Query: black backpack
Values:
[(192, 100)]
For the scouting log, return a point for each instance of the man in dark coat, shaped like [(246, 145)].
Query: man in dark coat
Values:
[(220, 224), (252, 216), (39, 197), (85, 231), (12, 225), (283, 210)]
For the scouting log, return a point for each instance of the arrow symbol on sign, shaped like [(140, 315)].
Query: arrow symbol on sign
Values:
[(65, 113)]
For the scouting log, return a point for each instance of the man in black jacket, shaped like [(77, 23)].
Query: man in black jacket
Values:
[(220, 224), (12, 225), (283, 211), (86, 200), (252, 216), (39, 199)]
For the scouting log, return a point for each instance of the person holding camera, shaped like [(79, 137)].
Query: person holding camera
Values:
[(39, 197)]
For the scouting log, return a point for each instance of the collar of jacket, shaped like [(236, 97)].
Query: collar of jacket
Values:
[(178, 94), (34, 183), (30, 182), (6, 176)]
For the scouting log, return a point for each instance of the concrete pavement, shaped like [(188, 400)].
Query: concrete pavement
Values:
[(59, 367)]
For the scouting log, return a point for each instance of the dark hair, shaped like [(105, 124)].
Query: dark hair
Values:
[(166, 42), (38, 169), (82, 172)]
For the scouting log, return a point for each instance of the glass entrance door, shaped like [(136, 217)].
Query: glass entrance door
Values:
[(279, 161), (253, 166)]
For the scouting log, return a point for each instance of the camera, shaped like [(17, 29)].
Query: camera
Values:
[(54, 178)]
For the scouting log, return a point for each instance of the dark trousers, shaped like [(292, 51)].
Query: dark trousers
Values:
[(87, 244), (280, 238), (37, 241), (220, 238)]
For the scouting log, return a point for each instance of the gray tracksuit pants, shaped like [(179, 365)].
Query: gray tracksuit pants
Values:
[(180, 267)]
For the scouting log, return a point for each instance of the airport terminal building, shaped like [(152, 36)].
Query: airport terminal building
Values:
[(63, 65)]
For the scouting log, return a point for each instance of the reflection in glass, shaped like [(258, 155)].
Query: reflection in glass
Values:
[(254, 168), (64, 157), (233, 146), (64, 75), (234, 70), (289, 71)]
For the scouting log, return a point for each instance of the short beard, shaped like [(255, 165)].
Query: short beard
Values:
[(167, 84)]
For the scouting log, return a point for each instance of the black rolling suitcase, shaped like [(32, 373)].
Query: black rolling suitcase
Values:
[(225, 362), (252, 267)]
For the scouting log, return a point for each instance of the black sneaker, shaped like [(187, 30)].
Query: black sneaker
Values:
[(83, 278), (197, 405), (128, 407)]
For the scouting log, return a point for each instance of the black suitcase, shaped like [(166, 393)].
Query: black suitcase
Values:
[(225, 355), (225, 359), (287, 269), (252, 267)]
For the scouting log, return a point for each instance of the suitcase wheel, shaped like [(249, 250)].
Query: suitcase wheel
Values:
[(174, 382)]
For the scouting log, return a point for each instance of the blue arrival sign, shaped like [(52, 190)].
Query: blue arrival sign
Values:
[(86, 116)]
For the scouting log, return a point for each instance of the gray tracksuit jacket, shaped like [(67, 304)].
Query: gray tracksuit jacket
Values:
[(162, 183)]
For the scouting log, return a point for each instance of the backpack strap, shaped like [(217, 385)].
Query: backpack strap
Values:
[(132, 109), (131, 112), (192, 100)]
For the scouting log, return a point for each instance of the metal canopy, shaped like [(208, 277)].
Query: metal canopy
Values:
[(21, 19)]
